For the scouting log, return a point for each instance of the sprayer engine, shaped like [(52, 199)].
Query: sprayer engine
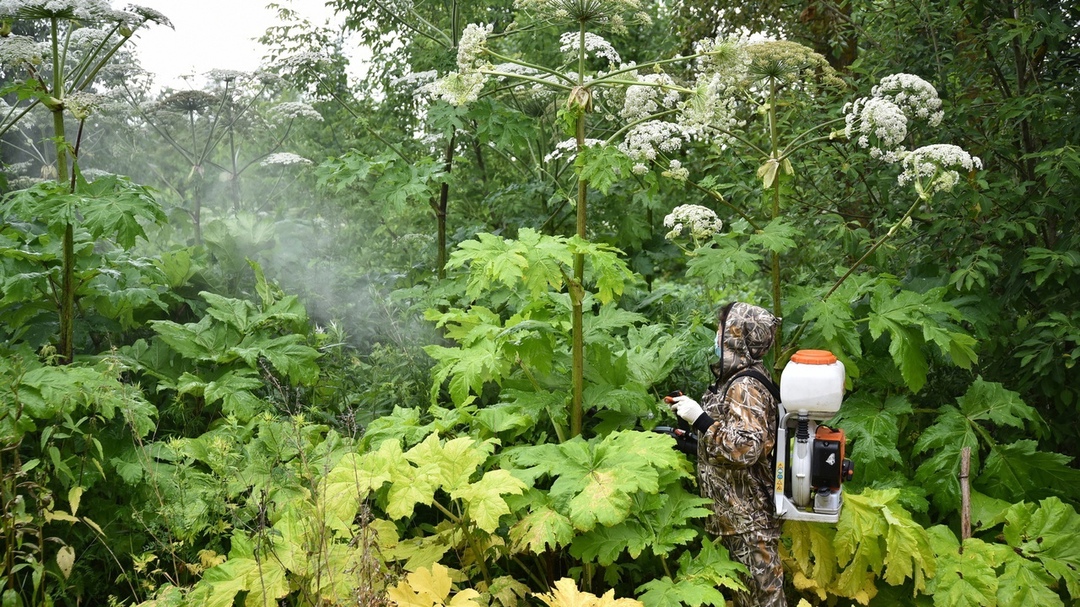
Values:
[(810, 462)]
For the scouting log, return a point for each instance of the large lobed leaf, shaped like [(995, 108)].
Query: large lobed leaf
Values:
[(913, 320), (877, 535), (1048, 532), (595, 480), (872, 426)]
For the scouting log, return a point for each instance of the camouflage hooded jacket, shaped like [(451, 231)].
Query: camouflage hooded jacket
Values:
[(734, 453)]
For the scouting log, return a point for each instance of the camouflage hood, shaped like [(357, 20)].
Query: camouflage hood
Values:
[(746, 334)]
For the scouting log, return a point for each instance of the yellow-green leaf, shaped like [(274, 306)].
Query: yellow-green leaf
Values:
[(74, 497), (65, 559), (767, 172), (430, 587), (483, 499), (542, 530), (59, 515)]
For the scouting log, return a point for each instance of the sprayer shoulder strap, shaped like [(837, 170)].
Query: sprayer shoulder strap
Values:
[(765, 381)]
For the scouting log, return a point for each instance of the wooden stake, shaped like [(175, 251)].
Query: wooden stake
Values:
[(965, 493)]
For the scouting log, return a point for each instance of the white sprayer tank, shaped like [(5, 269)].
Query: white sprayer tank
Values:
[(813, 381)]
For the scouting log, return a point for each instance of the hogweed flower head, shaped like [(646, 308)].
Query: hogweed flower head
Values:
[(711, 106), (568, 149), (17, 50), (283, 159), (915, 96), (82, 10), (303, 61), (471, 45), (148, 14), (722, 54), (228, 76), (877, 124), (786, 62), (295, 109), (933, 168), (415, 80), (82, 104), (610, 13), (699, 222), (457, 88), (645, 141), (678, 172), (644, 100), (187, 102), (570, 43)]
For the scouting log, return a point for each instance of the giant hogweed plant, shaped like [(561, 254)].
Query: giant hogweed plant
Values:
[(898, 550), (582, 86), (59, 75), (648, 115), (223, 132)]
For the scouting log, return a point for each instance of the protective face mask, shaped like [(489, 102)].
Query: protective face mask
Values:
[(718, 348)]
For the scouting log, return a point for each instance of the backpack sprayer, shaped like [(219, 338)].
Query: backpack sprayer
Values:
[(810, 462)]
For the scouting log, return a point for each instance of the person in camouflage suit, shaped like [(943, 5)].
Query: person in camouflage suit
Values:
[(737, 421)]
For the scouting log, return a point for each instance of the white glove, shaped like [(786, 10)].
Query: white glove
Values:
[(686, 408)]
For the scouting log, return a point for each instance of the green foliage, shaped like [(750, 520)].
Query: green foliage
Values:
[(110, 207), (429, 588), (900, 313), (595, 482), (206, 448), (700, 578), (230, 347), (529, 338), (876, 534), (1036, 562), (1009, 470)]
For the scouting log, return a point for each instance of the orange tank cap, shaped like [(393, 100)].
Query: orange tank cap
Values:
[(813, 357)]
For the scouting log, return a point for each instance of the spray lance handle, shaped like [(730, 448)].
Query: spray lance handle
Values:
[(685, 441)]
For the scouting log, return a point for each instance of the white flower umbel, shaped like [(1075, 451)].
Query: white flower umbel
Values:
[(915, 96), (568, 149), (677, 172), (645, 141), (302, 61), (933, 168), (699, 222), (876, 123), (18, 50), (471, 45), (726, 55), (413, 81), (457, 88), (283, 159), (295, 109), (609, 13), (644, 100), (148, 14), (596, 45), (711, 110), (82, 104), (83, 10), (227, 76)]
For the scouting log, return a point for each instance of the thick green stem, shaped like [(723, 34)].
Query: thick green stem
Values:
[(774, 145), (577, 286), (442, 204), (66, 348)]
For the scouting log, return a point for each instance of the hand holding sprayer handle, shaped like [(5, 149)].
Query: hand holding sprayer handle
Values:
[(684, 406)]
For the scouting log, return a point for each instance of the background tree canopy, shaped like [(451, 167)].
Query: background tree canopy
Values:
[(291, 339)]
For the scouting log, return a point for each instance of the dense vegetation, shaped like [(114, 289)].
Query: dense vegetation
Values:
[(290, 339)]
